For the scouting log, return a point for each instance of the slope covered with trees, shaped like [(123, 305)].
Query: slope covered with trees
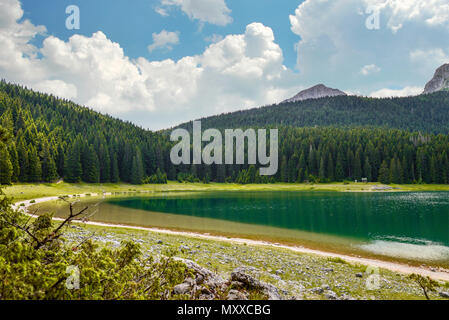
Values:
[(426, 113), (53, 138)]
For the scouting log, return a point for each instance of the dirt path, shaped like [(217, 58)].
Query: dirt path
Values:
[(396, 267)]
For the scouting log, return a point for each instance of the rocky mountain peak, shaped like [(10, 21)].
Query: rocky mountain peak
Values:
[(440, 80), (316, 92)]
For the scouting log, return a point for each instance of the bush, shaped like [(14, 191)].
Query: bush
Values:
[(35, 262), (157, 178)]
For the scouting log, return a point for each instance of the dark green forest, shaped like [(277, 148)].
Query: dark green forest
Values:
[(425, 113), (343, 138)]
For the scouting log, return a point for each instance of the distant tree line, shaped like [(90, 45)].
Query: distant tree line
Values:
[(56, 139)]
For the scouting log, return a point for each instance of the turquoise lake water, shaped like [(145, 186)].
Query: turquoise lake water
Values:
[(412, 225)]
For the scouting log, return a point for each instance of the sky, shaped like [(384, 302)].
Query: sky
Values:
[(159, 63)]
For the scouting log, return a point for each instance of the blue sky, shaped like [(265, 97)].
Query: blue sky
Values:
[(162, 62), (132, 25)]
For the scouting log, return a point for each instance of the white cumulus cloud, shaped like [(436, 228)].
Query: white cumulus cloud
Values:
[(164, 39), (335, 42), (369, 69), (238, 71), (210, 11), (404, 92)]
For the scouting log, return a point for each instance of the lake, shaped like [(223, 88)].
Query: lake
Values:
[(412, 226)]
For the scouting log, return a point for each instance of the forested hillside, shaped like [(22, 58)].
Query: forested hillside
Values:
[(54, 139), (426, 113)]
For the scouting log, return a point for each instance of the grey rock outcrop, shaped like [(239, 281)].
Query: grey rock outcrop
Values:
[(316, 92), (440, 80), (240, 275)]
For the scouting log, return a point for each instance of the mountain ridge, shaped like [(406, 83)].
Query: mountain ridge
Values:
[(316, 92), (440, 80)]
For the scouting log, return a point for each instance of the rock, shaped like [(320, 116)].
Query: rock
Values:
[(240, 276), (251, 283), (330, 295), (159, 242), (236, 295), (279, 272), (199, 279), (328, 270), (444, 294), (206, 297), (206, 277), (359, 275), (183, 288), (318, 290), (237, 285), (184, 248), (440, 80), (325, 287), (316, 92)]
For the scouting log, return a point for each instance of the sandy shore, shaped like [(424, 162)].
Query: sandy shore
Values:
[(396, 267)]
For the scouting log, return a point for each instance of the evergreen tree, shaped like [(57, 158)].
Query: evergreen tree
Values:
[(330, 169), (115, 175), (137, 173), (105, 163), (367, 170), (49, 170), (73, 170), (357, 166), (339, 171), (90, 165), (384, 173), (6, 168), (395, 171), (322, 172), (35, 168), (284, 169), (22, 153), (14, 156)]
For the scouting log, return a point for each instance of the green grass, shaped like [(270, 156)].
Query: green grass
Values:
[(33, 191)]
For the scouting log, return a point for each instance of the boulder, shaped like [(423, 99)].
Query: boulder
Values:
[(236, 295), (250, 282)]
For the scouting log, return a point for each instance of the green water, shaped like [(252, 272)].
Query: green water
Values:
[(407, 225)]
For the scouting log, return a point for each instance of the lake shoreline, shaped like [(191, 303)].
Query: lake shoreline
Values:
[(440, 274), (35, 191)]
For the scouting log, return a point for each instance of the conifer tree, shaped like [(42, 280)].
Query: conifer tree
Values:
[(35, 168), (137, 173), (73, 170), (115, 175), (6, 168), (14, 161), (367, 170), (322, 171), (330, 169), (339, 171), (49, 170), (90, 165), (384, 173)]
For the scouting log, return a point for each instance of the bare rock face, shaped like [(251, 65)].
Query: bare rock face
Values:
[(316, 92), (440, 80)]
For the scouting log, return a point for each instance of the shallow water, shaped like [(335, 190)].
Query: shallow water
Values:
[(411, 226)]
